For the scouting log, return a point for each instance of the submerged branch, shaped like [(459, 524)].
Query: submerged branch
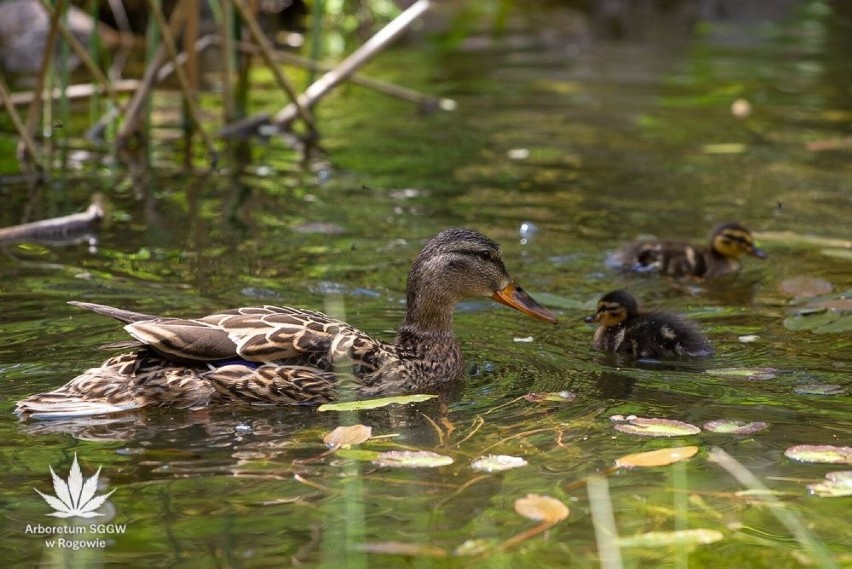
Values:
[(345, 68)]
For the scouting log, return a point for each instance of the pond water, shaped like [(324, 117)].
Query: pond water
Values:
[(591, 138)]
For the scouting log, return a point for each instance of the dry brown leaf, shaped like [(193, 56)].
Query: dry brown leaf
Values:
[(541, 508), (660, 457), (345, 437)]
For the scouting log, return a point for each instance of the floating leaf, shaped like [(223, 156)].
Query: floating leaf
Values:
[(842, 324), (803, 286), (652, 427), (819, 389), (346, 436), (699, 536), (835, 485), (745, 373), (809, 319), (735, 427), (555, 397), (541, 508), (823, 315), (376, 403), (661, 457), (402, 548), (826, 454), (412, 459), (748, 338), (497, 462)]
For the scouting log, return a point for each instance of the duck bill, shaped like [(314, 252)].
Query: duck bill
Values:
[(759, 253), (515, 297)]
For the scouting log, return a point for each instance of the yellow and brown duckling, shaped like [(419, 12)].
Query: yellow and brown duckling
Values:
[(280, 355), (625, 329), (728, 242)]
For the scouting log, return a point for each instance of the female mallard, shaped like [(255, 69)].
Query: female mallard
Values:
[(627, 330), (281, 355), (728, 242)]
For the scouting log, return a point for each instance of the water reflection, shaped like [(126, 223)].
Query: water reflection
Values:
[(615, 137)]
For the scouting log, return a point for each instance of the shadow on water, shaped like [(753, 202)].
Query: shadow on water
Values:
[(595, 126)]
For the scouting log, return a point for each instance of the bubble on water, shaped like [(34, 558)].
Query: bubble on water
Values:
[(527, 232)]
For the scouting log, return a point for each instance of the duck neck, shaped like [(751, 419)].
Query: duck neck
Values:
[(427, 319)]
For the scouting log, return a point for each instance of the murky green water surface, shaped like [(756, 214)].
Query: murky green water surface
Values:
[(592, 140)]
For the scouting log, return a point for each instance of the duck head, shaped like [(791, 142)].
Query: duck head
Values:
[(733, 240), (457, 264), (614, 308)]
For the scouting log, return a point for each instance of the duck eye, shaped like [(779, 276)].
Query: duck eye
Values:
[(485, 255)]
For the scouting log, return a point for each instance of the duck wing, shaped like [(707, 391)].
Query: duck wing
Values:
[(256, 334)]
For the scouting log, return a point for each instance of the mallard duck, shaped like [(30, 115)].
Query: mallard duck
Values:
[(281, 355), (625, 329), (728, 242)]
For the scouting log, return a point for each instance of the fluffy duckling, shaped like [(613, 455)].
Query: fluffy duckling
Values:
[(624, 328), (278, 355), (728, 242)]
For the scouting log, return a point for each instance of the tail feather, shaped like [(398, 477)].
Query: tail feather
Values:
[(43, 407), (126, 316), (96, 391)]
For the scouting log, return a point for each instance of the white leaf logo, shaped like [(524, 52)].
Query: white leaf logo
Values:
[(74, 497)]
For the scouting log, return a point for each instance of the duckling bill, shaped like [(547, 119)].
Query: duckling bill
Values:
[(625, 329), (728, 243), (281, 355)]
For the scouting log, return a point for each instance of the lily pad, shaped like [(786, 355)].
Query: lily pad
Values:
[(823, 315), (346, 436), (660, 457), (375, 403), (825, 454), (835, 485), (819, 389), (541, 508), (735, 427), (686, 537), (497, 462), (653, 427), (745, 373), (554, 397), (805, 287), (412, 459)]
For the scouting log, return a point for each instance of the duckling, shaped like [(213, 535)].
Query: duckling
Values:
[(728, 242), (625, 329), (281, 355)]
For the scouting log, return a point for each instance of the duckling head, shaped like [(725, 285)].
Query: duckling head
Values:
[(614, 308), (733, 240), (457, 264)]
